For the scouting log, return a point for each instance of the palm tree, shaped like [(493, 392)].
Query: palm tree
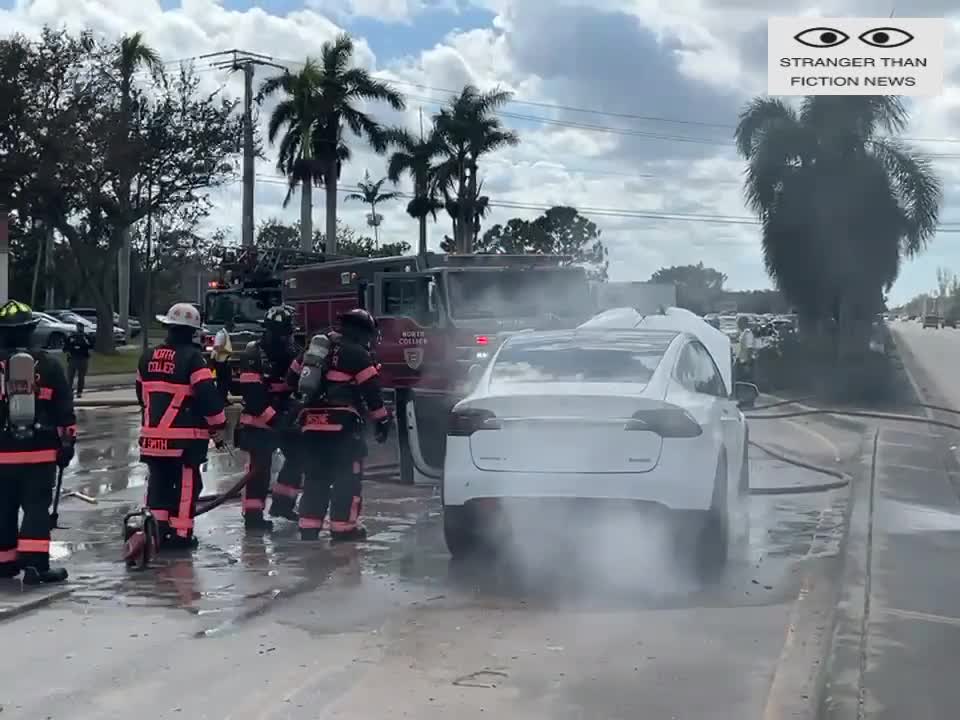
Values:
[(840, 203), (469, 129), (416, 156), (298, 114), (340, 89), (371, 195), (132, 54)]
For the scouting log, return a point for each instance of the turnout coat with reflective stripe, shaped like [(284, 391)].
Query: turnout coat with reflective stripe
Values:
[(54, 414), (352, 388), (266, 382), (180, 402)]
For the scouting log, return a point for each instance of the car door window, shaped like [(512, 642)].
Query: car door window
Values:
[(685, 372), (708, 380)]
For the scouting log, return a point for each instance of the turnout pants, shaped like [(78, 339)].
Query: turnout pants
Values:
[(333, 477), (77, 367), (25, 543), (258, 481), (173, 487)]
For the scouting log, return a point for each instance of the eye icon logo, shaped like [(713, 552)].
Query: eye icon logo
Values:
[(825, 37), (821, 37), (886, 37)]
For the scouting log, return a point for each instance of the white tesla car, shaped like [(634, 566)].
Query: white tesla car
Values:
[(626, 408)]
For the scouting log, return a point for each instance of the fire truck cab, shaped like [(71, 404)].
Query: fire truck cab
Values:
[(438, 315)]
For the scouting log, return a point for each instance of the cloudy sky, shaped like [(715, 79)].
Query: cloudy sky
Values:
[(625, 108)]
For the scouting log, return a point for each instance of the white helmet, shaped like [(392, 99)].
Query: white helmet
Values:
[(183, 314)]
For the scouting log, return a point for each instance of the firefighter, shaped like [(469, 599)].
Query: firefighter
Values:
[(182, 411), (264, 422), (332, 423), (37, 436)]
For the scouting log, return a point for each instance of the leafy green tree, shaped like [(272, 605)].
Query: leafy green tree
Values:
[(559, 231), (841, 202), (699, 288), (69, 172)]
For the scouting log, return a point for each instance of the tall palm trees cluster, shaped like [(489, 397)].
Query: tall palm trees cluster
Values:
[(319, 108)]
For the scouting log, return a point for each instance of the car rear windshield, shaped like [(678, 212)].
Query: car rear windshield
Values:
[(609, 358)]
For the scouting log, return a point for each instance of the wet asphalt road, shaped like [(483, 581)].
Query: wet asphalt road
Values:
[(584, 625)]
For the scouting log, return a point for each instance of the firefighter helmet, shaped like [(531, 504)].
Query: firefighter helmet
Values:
[(279, 320), (17, 314), (183, 314), (359, 318)]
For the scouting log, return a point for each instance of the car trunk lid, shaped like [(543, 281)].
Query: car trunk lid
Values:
[(568, 433)]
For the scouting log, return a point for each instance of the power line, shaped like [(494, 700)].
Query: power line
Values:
[(605, 113), (600, 211)]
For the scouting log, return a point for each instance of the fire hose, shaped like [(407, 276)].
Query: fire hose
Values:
[(206, 503)]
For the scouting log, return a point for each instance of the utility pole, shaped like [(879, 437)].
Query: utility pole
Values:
[(246, 62)]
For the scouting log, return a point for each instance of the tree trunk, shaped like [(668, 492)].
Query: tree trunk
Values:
[(306, 216), (331, 188), (102, 297), (468, 222), (123, 280), (460, 222), (422, 241), (36, 265)]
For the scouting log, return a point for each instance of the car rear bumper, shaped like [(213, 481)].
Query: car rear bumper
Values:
[(676, 485)]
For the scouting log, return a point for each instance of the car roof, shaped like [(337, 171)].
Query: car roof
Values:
[(653, 340)]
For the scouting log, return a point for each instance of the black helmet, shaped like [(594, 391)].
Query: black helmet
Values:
[(279, 320), (360, 319), (15, 314)]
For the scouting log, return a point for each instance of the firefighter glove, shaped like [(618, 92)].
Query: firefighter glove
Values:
[(382, 430), (64, 455)]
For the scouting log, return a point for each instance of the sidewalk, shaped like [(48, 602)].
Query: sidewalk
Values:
[(898, 628)]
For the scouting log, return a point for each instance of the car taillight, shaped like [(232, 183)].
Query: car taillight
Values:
[(482, 340), (464, 423), (665, 422)]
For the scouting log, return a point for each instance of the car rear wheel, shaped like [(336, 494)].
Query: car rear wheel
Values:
[(713, 541), (702, 539), (460, 531)]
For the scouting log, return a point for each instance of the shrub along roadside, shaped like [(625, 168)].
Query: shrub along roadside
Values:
[(797, 367)]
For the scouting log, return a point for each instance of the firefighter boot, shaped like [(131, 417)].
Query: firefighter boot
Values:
[(283, 507), (32, 576), (254, 520), (175, 542), (358, 533), (309, 534)]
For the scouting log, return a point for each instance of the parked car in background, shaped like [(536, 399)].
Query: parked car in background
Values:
[(69, 316), (931, 321), (950, 322), (91, 314), (51, 332)]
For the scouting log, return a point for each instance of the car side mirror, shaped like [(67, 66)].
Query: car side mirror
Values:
[(746, 394)]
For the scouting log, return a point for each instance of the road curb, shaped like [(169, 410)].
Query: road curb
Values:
[(845, 664), (801, 678), (32, 602)]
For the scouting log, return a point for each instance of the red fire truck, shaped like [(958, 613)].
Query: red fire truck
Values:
[(247, 285), (439, 315)]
